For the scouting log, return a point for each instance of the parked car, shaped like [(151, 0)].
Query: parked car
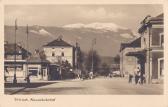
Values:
[(116, 74)]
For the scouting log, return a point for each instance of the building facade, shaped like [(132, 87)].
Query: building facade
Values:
[(152, 32), (58, 51), (149, 53), (26, 64), (11, 61), (38, 68), (129, 63), (61, 56)]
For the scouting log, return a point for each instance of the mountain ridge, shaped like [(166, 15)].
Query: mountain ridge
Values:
[(84, 36)]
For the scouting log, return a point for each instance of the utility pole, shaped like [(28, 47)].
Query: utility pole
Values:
[(93, 43), (122, 61), (15, 79), (149, 56), (27, 74)]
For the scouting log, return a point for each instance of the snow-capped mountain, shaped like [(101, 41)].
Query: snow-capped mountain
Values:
[(42, 32), (99, 26), (108, 36)]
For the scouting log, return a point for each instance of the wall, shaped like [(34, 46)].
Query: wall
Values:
[(68, 54), (127, 63)]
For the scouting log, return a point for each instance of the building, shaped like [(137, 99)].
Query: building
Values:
[(59, 50), (10, 63), (27, 64), (38, 68), (58, 58), (146, 51), (152, 34), (58, 53), (129, 63)]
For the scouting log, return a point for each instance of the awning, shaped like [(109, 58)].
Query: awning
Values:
[(136, 53)]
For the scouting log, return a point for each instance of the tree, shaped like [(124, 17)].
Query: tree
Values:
[(42, 55), (80, 59), (105, 69), (117, 59), (96, 61)]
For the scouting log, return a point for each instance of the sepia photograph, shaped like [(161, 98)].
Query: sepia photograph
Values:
[(84, 49)]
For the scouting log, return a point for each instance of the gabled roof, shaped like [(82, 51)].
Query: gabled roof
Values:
[(160, 16), (135, 43), (10, 49), (59, 42)]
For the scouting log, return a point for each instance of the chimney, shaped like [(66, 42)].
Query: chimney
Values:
[(60, 37)]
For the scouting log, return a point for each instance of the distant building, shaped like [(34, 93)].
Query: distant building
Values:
[(146, 51)]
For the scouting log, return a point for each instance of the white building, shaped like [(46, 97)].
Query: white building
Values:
[(59, 51)]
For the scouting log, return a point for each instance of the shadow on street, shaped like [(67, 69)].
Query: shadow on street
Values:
[(31, 85)]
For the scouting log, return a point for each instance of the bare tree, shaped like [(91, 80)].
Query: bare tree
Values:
[(92, 56)]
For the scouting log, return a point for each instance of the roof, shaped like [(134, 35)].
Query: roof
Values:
[(160, 16), (148, 21), (10, 49), (136, 53), (123, 46), (36, 59), (135, 43), (59, 42)]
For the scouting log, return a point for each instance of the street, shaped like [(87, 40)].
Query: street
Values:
[(97, 86)]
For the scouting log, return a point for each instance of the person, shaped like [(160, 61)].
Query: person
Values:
[(91, 75), (136, 72), (110, 75), (130, 78), (5, 74), (139, 77), (78, 73), (143, 79)]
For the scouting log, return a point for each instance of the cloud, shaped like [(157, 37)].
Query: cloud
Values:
[(100, 13), (126, 35)]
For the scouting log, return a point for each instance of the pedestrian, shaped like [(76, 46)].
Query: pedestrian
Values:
[(139, 77), (91, 75), (5, 74), (136, 71), (143, 79), (130, 78)]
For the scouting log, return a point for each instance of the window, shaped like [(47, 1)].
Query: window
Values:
[(53, 54), (155, 37), (144, 40), (33, 72), (161, 39), (62, 54)]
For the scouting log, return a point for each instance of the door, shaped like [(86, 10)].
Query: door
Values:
[(54, 72)]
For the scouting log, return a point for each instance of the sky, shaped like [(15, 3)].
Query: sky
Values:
[(128, 16)]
